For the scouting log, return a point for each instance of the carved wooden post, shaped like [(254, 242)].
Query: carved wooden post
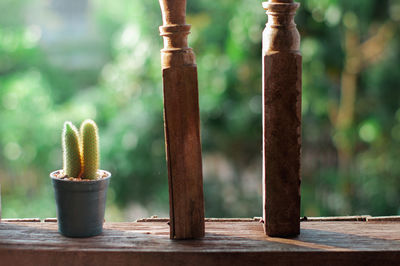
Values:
[(281, 119), (182, 124)]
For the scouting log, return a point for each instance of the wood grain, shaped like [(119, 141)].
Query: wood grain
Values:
[(182, 124), (281, 120), (225, 243)]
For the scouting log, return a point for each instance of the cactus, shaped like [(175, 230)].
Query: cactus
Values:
[(90, 149), (81, 151), (71, 149)]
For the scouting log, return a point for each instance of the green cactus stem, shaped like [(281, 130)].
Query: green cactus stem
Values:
[(71, 151), (90, 149)]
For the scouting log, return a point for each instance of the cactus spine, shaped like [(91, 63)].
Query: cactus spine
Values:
[(71, 149), (90, 149)]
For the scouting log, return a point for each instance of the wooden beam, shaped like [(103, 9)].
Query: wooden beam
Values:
[(182, 124), (281, 119), (225, 243), (384, 219), (214, 220), (21, 220), (358, 218)]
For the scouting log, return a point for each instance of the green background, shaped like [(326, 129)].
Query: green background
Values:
[(71, 60)]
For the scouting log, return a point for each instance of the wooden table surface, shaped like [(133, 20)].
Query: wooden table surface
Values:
[(227, 242)]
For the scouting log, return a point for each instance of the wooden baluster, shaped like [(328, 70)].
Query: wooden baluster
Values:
[(281, 120), (182, 124)]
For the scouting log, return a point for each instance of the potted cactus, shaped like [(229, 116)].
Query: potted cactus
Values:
[(80, 187)]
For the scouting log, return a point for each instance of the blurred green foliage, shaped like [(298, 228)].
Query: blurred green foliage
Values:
[(348, 168)]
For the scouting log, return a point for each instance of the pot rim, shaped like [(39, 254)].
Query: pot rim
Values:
[(52, 176)]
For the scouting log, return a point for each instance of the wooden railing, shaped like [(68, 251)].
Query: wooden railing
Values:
[(362, 240), (281, 119), (357, 240), (182, 124), (281, 122)]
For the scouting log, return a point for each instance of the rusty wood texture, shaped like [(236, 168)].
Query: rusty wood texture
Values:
[(281, 120), (182, 124), (225, 243)]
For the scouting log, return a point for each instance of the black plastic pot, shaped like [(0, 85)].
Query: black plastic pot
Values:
[(80, 205)]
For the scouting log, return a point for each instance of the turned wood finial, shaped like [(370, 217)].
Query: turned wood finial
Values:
[(281, 119), (175, 32), (281, 33)]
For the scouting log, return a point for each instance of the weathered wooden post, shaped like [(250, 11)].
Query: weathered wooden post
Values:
[(182, 124), (281, 119)]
